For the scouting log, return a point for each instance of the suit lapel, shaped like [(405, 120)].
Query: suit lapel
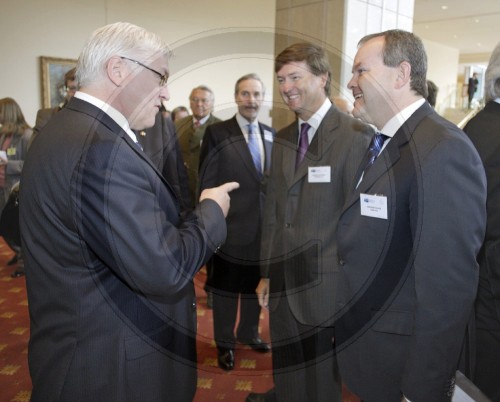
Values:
[(268, 145), (390, 155), (93, 111), (323, 140)]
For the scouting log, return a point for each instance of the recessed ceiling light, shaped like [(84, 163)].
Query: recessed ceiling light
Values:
[(476, 20), (479, 44), (444, 7)]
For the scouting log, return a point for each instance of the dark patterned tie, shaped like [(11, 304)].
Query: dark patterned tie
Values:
[(303, 143), (373, 150), (253, 146)]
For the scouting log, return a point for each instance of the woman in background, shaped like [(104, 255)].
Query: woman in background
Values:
[(14, 137)]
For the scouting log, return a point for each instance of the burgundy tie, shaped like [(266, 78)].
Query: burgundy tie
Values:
[(303, 143)]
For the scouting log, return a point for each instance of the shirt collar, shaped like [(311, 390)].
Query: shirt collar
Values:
[(202, 120), (497, 100), (393, 125), (109, 110), (315, 120), (243, 123)]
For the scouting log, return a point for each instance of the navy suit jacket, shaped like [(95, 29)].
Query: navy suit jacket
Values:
[(406, 284), (109, 266), (161, 144), (225, 157)]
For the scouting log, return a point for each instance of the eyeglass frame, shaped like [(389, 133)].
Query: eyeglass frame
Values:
[(163, 77)]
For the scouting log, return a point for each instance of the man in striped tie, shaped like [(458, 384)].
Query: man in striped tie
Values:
[(238, 148)]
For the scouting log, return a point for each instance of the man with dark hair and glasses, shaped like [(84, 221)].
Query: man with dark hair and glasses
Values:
[(110, 259)]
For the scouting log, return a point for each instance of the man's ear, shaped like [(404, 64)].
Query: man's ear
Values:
[(116, 70), (404, 74), (324, 80)]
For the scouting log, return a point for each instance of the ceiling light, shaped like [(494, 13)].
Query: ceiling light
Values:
[(444, 7)]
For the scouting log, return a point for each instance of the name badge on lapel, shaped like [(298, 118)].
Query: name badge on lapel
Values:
[(268, 136), (319, 174), (11, 151), (374, 206)]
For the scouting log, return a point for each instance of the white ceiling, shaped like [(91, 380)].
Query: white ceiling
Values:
[(472, 26)]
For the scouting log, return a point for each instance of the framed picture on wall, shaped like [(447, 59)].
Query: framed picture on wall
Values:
[(52, 73)]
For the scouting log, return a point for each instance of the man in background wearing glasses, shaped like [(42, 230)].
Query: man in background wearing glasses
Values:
[(191, 130), (109, 259)]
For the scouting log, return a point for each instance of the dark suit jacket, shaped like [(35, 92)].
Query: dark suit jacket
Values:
[(160, 143), (407, 283), (109, 266), (299, 250), (483, 130), (225, 157), (190, 144), (42, 117)]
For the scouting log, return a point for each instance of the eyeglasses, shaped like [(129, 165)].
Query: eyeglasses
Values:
[(201, 100), (163, 77)]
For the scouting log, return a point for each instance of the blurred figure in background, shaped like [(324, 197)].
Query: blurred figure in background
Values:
[(484, 131), (179, 113), (432, 93), (191, 129), (472, 88), (15, 133), (44, 115)]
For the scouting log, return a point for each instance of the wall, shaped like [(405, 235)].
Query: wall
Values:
[(442, 70), (214, 42), (337, 25)]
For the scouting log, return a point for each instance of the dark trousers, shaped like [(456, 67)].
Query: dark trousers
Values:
[(233, 284), (304, 365), (487, 371)]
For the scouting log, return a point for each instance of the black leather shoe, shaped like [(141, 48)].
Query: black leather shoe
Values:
[(269, 396), (256, 344), (17, 274), (255, 397), (225, 358)]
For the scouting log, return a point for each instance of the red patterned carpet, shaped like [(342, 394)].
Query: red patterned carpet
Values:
[(252, 371), (15, 384)]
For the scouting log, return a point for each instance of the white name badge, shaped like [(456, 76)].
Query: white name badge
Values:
[(319, 174), (268, 136), (374, 206)]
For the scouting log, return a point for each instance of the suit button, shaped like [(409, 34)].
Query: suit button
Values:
[(341, 262), (288, 225), (194, 305)]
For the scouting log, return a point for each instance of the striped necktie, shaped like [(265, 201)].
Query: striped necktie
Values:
[(372, 153)]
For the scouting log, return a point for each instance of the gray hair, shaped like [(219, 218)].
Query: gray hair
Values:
[(202, 88), (404, 46), (251, 76), (119, 39), (492, 77)]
